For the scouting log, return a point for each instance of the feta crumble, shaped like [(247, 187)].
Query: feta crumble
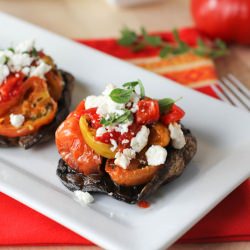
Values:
[(177, 136), (114, 144), (40, 70), (19, 59), (17, 120), (123, 159), (25, 46), (100, 131), (135, 99), (124, 141), (84, 198), (140, 140), (4, 72), (156, 155)]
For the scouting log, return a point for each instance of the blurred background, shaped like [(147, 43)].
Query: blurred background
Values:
[(88, 19), (98, 18)]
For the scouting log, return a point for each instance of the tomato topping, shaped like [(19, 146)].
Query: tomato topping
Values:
[(73, 148), (130, 177), (174, 115), (125, 138), (10, 91), (78, 112), (88, 134), (106, 137), (36, 105), (148, 111), (92, 117)]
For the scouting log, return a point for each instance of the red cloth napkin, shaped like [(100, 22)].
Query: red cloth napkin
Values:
[(229, 221)]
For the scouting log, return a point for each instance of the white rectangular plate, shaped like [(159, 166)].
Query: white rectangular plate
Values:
[(221, 163)]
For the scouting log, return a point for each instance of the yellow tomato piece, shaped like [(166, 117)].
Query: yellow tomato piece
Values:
[(88, 134)]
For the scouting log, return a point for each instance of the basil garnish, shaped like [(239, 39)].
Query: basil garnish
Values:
[(117, 119), (165, 104)]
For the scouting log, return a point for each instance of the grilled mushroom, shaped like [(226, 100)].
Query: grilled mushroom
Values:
[(174, 166)]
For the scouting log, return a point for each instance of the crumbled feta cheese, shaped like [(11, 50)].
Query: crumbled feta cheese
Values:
[(124, 141), (114, 144), (177, 136), (122, 159), (40, 70), (93, 101), (26, 70), (108, 89), (140, 140), (156, 155), (18, 61), (105, 106), (100, 131), (123, 128), (83, 197), (4, 72), (17, 120), (135, 99), (25, 46)]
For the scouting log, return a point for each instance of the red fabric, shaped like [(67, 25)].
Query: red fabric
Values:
[(21, 225), (229, 221)]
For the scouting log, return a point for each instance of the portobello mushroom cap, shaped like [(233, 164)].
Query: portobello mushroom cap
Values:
[(174, 166), (46, 132)]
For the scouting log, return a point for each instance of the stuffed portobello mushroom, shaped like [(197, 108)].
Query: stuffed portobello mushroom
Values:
[(123, 143), (34, 96)]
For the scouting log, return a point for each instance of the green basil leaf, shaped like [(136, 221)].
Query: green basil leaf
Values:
[(142, 89), (121, 95), (107, 122), (165, 104), (130, 85), (114, 119), (123, 118)]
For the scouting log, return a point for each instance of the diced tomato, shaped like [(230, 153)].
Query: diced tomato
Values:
[(93, 117), (11, 91), (36, 105), (148, 111), (11, 85), (175, 115), (125, 138), (106, 137), (80, 109), (73, 148)]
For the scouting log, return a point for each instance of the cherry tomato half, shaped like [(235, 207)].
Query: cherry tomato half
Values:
[(92, 117), (175, 115), (148, 111), (11, 91)]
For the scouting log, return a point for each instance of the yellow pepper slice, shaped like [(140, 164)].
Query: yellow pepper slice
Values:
[(88, 134)]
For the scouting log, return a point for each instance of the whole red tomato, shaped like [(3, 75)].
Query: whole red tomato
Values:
[(225, 19)]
